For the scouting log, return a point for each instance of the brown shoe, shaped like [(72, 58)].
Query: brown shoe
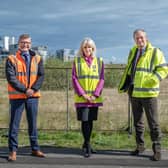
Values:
[(157, 156), (138, 150), (37, 153), (12, 156)]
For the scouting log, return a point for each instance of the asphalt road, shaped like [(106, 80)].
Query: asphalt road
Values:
[(72, 158)]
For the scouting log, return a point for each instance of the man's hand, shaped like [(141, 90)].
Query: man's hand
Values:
[(29, 92)]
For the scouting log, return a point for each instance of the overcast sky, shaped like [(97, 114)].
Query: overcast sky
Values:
[(64, 23)]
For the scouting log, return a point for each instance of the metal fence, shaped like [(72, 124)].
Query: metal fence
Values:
[(56, 107)]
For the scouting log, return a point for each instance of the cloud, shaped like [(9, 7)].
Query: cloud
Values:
[(79, 12), (6, 13), (64, 23)]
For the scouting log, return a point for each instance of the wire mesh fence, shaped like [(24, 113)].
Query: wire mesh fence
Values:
[(56, 106)]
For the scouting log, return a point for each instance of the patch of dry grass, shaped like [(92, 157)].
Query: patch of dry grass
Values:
[(53, 110)]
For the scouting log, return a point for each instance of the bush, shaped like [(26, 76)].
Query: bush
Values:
[(58, 75)]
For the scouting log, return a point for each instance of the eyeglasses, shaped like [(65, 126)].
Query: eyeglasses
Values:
[(25, 42)]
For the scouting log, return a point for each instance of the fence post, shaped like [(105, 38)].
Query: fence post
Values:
[(67, 79)]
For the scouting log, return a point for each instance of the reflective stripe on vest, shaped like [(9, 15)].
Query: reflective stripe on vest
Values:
[(149, 89), (88, 77), (150, 69), (21, 75)]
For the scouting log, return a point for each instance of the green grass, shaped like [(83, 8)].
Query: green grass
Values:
[(74, 139)]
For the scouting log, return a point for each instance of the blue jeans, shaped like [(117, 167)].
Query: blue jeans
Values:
[(16, 110)]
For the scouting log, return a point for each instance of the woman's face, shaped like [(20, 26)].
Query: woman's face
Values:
[(87, 50)]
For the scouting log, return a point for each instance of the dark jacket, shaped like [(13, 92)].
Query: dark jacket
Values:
[(15, 83)]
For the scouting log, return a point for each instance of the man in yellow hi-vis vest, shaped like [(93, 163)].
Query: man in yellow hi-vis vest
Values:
[(145, 69)]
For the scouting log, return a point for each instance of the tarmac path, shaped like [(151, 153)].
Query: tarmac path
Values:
[(72, 158)]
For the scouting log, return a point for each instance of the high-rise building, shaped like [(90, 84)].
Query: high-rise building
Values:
[(6, 43)]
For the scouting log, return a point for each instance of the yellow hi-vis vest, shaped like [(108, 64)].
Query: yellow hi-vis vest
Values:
[(151, 69), (88, 77)]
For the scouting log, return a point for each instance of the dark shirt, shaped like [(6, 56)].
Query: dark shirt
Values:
[(135, 62)]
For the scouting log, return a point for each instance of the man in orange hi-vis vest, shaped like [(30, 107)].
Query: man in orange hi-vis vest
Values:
[(25, 75)]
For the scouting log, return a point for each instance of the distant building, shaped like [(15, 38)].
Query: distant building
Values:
[(42, 51), (9, 46), (65, 54), (13, 48), (6, 43)]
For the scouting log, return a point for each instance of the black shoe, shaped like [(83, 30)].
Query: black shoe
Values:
[(91, 149), (87, 151), (157, 156), (140, 149)]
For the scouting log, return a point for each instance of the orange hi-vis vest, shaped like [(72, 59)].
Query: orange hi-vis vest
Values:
[(21, 75)]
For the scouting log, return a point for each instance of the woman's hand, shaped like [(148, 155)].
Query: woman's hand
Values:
[(92, 98), (87, 97)]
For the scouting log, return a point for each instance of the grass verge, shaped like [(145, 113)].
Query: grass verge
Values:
[(74, 139)]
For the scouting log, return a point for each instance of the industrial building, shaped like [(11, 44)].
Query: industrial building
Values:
[(66, 55), (9, 46)]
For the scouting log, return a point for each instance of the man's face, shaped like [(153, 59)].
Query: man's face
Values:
[(140, 39), (25, 44)]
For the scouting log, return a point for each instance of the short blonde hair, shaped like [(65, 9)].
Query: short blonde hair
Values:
[(90, 42)]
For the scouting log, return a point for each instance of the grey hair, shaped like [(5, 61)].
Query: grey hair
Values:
[(87, 40), (139, 30)]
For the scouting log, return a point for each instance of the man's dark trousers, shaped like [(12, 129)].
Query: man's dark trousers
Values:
[(149, 105), (16, 109)]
